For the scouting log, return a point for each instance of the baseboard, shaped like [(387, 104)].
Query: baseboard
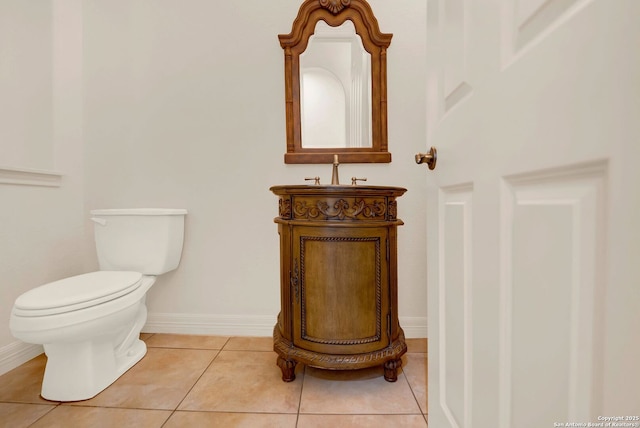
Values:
[(213, 325), (243, 325), (414, 327), (17, 353)]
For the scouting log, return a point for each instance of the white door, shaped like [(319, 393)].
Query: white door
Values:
[(533, 212)]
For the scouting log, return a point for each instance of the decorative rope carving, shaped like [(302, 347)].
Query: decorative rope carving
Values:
[(288, 351), (335, 6)]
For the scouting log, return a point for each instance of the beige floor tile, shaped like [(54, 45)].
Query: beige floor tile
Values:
[(159, 381), (244, 381), (355, 392), (415, 369), (183, 341), (236, 420), (97, 417), (18, 415), (417, 345), (227, 381), (23, 384), (361, 421), (249, 344), (145, 336)]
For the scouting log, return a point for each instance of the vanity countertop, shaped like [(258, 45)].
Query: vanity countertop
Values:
[(337, 190)]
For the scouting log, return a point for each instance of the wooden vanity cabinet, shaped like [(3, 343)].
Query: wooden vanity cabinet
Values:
[(338, 278)]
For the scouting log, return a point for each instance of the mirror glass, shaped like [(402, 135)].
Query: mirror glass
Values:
[(335, 89)]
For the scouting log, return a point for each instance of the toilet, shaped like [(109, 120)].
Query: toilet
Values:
[(90, 324)]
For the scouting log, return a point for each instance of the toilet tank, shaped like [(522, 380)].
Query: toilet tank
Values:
[(145, 240)]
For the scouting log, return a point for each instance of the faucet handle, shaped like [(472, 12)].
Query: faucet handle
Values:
[(354, 180), (316, 180)]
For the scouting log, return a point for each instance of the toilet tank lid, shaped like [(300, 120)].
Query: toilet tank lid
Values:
[(140, 211)]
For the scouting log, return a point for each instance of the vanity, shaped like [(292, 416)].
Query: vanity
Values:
[(338, 278)]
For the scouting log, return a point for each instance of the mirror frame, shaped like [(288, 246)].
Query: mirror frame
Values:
[(334, 13)]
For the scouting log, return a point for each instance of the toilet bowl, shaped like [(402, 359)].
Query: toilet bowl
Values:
[(90, 324)]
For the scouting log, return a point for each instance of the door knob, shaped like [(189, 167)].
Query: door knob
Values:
[(430, 158)]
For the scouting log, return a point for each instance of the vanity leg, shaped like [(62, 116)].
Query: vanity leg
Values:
[(288, 368), (391, 370)]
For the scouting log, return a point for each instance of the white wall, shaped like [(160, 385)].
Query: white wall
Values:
[(181, 104), (184, 108), (25, 84), (41, 173)]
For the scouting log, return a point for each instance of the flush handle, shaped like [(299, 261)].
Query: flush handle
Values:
[(430, 158), (100, 221)]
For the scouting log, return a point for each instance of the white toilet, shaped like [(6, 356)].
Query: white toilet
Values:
[(90, 324)]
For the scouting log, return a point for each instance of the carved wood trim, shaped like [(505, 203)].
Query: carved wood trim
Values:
[(340, 209), (290, 352), (334, 13), (284, 207), (337, 203), (335, 6), (393, 209), (337, 209)]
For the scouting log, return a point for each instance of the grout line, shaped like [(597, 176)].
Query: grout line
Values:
[(304, 373), (167, 420), (184, 349), (45, 414), (412, 392), (235, 412), (196, 382)]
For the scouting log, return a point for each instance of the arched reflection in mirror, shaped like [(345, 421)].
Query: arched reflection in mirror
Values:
[(335, 89), (323, 109)]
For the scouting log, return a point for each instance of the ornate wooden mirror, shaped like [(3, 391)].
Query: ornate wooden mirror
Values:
[(336, 84)]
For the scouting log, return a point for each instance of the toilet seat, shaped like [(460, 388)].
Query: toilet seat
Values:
[(76, 292)]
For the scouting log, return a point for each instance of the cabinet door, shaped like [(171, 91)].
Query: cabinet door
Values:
[(340, 295)]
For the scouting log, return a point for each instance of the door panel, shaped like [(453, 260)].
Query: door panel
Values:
[(456, 214), (551, 293)]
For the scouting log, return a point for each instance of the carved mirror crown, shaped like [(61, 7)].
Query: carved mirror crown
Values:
[(375, 43)]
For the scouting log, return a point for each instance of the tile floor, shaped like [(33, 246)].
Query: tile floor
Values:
[(214, 381)]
